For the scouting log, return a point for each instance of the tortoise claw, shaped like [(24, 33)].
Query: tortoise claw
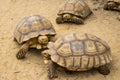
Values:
[(52, 76), (21, 54)]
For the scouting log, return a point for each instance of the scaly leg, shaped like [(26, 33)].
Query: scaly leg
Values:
[(104, 70), (51, 70), (22, 52)]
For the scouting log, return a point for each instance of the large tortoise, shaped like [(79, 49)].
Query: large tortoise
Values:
[(76, 52), (112, 5), (73, 11), (33, 31)]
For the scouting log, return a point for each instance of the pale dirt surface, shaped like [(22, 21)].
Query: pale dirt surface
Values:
[(103, 24)]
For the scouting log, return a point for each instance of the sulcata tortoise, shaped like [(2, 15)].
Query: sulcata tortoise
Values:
[(33, 31), (76, 52), (73, 11)]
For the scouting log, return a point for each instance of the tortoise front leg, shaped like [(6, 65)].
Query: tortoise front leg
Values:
[(22, 52), (59, 20), (104, 70), (51, 70), (51, 67)]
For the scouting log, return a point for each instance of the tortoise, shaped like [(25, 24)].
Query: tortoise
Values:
[(78, 52), (112, 5), (33, 31), (73, 11)]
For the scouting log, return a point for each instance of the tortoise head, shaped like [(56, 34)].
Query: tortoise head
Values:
[(43, 40), (67, 17)]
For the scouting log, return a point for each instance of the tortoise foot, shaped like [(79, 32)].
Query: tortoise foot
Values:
[(104, 70), (21, 54), (51, 76), (59, 20)]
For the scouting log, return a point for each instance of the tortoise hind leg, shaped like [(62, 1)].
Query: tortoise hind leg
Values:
[(22, 52), (77, 20), (104, 70), (51, 70)]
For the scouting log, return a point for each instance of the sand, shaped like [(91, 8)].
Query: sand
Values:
[(103, 24)]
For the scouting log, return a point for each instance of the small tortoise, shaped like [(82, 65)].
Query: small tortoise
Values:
[(33, 31), (73, 11), (112, 5), (76, 52)]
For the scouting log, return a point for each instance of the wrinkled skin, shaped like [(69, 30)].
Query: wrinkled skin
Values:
[(103, 70)]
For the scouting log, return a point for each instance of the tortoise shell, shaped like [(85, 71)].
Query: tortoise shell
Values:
[(78, 52), (75, 7), (33, 26)]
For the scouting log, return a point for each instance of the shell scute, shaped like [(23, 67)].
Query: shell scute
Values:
[(90, 47), (65, 50), (77, 48)]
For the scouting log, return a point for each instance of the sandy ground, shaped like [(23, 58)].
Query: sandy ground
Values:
[(102, 24)]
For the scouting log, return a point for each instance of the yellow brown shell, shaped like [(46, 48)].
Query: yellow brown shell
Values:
[(33, 26), (78, 52), (75, 7)]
